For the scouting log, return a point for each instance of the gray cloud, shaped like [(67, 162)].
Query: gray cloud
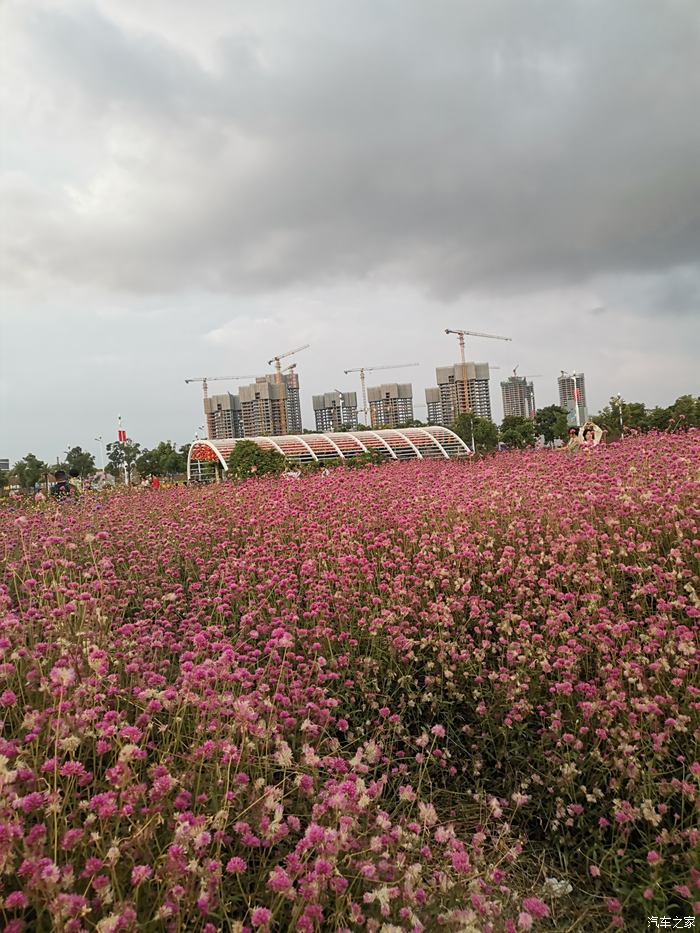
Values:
[(459, 146)]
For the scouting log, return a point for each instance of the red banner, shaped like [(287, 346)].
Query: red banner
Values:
[(122, 436)]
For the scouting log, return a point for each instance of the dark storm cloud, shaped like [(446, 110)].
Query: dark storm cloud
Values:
[(492, 145)]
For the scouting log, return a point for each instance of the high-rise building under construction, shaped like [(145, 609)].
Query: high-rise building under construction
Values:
[(463, 387), (335, 410), (433, 403), (572, 396), (256, 410), (390, 404), (518, 397), (224, 416)]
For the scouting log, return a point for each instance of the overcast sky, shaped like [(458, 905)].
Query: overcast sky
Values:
[(190, 188)]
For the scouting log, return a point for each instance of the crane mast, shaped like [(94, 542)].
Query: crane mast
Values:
[(279, 380), (363, 382)]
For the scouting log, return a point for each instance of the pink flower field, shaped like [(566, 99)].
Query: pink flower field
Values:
[(419, 696)]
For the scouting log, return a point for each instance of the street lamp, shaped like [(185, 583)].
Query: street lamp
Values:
[(618, 399), (102, 450), (199, 462)]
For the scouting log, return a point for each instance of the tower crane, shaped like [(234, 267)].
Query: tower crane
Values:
[(205, 380), (461, 334), (280, 381), (370, 369)]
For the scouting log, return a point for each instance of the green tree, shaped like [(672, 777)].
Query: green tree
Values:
[(483, 431), (163, 460), (685, 411), (413, 423), (517, 432), (82, 460), (122, 455), (247, 459), (659, 419), (551, 422), (4, 479), (633, 416), (29, 471)]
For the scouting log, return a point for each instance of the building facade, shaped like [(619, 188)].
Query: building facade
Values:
[(572, 397), (262, 408), (390, 404), (463, 387), (518, 397), (224, 416), (434, 405), (334, 411)]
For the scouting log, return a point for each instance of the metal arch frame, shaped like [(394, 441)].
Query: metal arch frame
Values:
[(380, 438), (409, 442), (333, 444), (205, 443), (299, 438), (435, 441), (274, 444), (455, 436), (357, 441)]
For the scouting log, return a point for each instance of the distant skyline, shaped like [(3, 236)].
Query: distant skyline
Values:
[(189, 189)]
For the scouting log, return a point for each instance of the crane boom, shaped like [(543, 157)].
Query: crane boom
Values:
[(279, 380), (370, 369), (276, 359), (471, 333)]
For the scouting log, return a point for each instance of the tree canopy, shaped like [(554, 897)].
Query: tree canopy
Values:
[(29, 471), (550, 421), (81, 460), (485, 432), (248, 459), (163, 460), (122, 455), (517, 432)]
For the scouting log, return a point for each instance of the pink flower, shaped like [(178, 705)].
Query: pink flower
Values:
[(140, 873), (524, 921), (16, 901), (536, 907), (260, 917), (236, 865), (653, 857)]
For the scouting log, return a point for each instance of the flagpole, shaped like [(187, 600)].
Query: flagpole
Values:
[(122, 439)]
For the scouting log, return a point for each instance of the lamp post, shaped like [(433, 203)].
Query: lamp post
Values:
[(199, 462), (618, 399), (102, 451)]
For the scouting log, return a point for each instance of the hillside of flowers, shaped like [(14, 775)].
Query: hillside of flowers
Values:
[(419, 696)]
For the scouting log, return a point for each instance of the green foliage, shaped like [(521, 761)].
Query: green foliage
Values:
[(29, 471), (551, 422), (163, 460), (122, 455), (4, 479), (685, 412), (82, 460), (483, 431), (517, 432), (247, 459), (371, 458), (413, 423), (634, 416)]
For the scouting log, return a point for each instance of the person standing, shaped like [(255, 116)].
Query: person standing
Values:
[(62, 489)]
